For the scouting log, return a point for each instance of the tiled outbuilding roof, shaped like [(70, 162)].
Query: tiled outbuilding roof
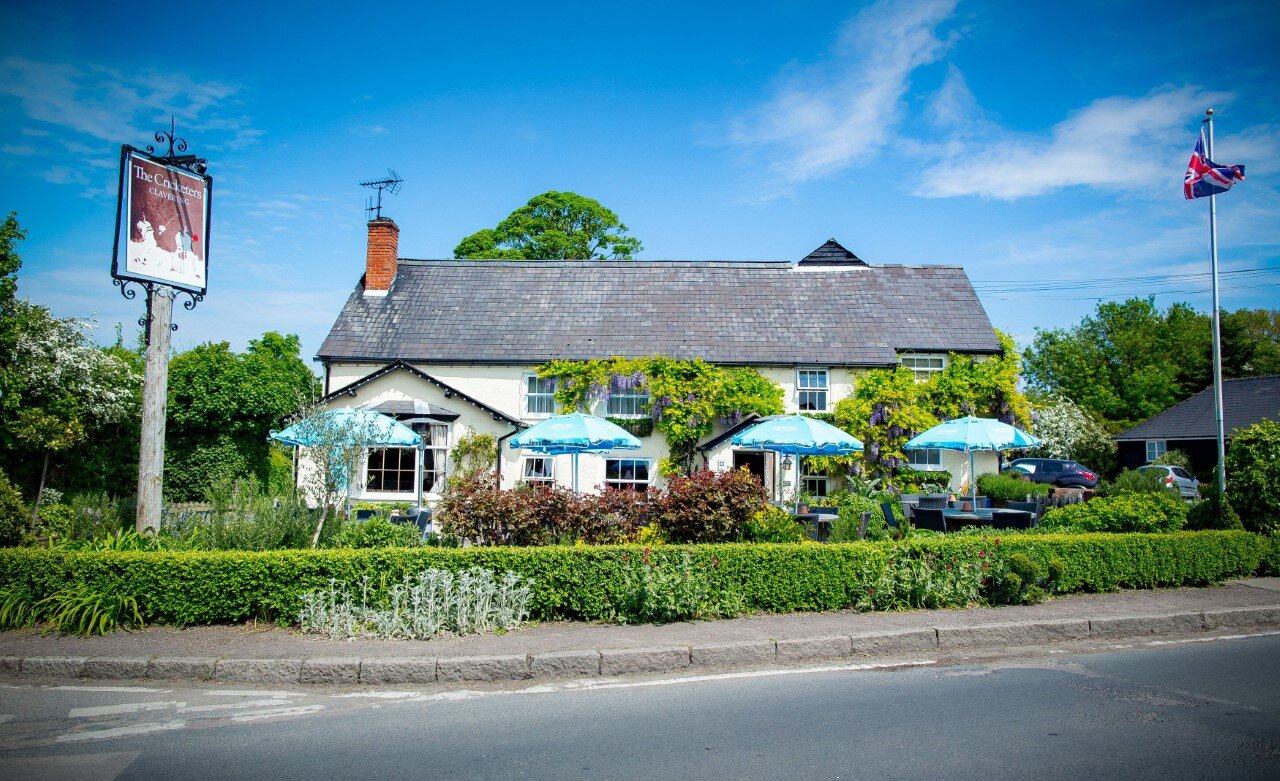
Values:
[(1245, 401), (725, 312)]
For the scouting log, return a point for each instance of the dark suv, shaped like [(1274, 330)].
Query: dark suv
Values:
[(1055, 471)]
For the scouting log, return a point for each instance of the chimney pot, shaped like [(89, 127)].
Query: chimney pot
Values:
[(382, 256)]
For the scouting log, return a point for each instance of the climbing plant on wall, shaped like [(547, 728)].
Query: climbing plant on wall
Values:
[(686, 397)]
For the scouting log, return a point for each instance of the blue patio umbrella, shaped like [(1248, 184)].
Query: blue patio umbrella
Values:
[(369, 427), (574, 433), (968, 434), (800, 436)]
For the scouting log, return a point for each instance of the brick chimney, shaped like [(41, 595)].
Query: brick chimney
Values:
[(380, 261)]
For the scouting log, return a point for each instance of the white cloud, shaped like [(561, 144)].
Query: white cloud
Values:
[(824, 117)]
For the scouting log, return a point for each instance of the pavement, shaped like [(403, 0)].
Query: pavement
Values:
[(267, 654)]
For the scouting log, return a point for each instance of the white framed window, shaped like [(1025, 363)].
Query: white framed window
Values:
[(923, 365), (629, 403), (812, 482), (539, 396), (925, 460), (435, 457), (628, 474), (1155, 449), (539, 470), (811, 389), (391, 470)]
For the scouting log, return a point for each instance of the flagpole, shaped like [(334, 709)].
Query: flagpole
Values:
[(1217, 327)]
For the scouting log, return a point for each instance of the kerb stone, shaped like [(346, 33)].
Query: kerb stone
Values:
[(905, 641), (482, 668), (644, 660), (1129, 626), (115, 667), (566, 664), (258, 670), (1243, 617), (182, 668), (837, 647), (734, 654), (413, 669), (53, 666), (1018, 633), (331, 669), (10, 665)]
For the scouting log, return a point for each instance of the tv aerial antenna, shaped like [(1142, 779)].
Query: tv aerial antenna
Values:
[(391, 184)]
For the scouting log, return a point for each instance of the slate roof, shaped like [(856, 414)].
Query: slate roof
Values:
[(1245, 401), (725, 312)]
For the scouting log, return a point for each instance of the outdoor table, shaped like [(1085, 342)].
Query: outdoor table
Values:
[(820, 524), (957, 518)]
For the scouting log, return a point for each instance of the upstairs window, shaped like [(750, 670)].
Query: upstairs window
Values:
[(811, 390), (539, 396), (627, 404), (924, 366)]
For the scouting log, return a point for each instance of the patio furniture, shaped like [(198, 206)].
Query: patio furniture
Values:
[(1035, 508), (933, 502), (892, 522), (364, 515), (931, 519), (1012, 519), (862, 525), (818, 527)]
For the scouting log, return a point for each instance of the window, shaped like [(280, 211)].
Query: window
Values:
[(925, 460), (391, 469), (539, 470), (1155, 449), (811, 390), (627, 474), (813, 482), (924, 366), (628, 403), (539, 396), (435, 457)]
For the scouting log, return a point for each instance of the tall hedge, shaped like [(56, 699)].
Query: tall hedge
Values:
[(582, 582)]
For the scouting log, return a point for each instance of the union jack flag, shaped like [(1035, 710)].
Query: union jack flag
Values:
[(1205, 177)]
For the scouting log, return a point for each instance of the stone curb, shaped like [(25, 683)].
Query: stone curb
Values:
[(630, 661)]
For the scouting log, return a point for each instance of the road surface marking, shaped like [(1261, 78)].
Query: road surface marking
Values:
[(5, 717), (128, 707), (380, 695), (232, 706), (127, 689), (273, 712), (1209, 639), (251, 693), (758, 674), (120, 732)]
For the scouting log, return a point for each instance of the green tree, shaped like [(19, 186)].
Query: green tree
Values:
[(221, 406), (10, 262), (553, 226), (1253, 476)]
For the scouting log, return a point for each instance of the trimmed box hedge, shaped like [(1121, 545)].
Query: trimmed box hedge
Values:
[(582, 582)]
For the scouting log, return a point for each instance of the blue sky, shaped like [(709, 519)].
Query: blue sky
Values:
[(1041, 146)]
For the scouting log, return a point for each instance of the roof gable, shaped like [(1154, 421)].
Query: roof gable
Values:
[(449, 391), (831, 254), (1245, 401)]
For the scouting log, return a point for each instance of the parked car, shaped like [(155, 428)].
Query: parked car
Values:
[(1175, 477), (1055, 471)]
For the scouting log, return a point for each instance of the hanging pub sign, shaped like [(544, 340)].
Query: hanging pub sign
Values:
[(162, 223)]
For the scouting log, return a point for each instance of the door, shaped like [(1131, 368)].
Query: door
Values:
[(752, 462)]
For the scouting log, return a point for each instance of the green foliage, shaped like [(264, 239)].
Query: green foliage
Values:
[(586, 582), (1067, 430), (221, 406), (661, 590), (1161, 511), (1020, 580), (1174, 458), (1253, 476), (708, 506), (474, 452), (1212, 512), (914, 481), (84, 610), (377, 532), (1134, 481), (773, 524), (243, 517), (13, 513), (686, 398), (1008, 487), (552, 226)]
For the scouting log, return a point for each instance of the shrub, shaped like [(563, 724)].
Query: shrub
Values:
[(1253, 476), (1134, 481), (1019, 580), (1174, 458), (773, 524), (708, 506), (244, 517), (13, 513), (1212, 512), (1009, 487), (377, 532), (664, 590), (1160, 511), (911, 481)]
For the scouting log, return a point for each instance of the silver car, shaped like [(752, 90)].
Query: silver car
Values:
[(1175, 477)]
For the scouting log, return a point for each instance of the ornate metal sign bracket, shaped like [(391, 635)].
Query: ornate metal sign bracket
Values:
[(196, 165), (150, 288)]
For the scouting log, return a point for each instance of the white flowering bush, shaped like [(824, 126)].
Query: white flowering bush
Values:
[(60, 356), (1065, 430)]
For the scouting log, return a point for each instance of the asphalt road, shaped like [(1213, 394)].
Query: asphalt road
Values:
[(1187, 709)]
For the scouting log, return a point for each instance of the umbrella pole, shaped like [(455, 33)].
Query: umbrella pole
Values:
[(973, 483), (575, 473)]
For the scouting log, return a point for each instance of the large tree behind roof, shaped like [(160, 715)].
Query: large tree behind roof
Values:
[(553, 226)]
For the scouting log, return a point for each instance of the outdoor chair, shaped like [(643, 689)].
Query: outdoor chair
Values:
[(907, 507), (887, 509), (933, 502), (862, 525), (364, 515), (1011, 519), (929, 518)]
